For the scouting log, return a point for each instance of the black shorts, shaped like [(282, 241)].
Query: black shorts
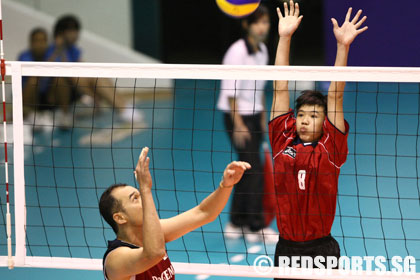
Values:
[(325, 246)]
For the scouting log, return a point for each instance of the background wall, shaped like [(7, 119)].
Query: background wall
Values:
[(191, 36), (108, 18), (393, 38), (198, 32), (19, 20), (146, 23)]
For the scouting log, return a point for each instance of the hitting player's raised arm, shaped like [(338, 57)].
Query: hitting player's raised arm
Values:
[(209, 208), (123, 262)]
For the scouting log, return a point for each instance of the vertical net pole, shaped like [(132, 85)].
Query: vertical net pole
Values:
[(6, 166), (18, 164)]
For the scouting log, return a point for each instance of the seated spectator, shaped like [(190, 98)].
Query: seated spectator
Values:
[(37, 101), (64, 49)]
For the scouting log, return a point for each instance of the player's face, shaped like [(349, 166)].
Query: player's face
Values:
[(130, 200), (309, 121), (39, 44), (259, 29)]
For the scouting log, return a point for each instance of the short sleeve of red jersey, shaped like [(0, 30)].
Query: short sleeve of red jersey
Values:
[(335, 143), (281, 129)]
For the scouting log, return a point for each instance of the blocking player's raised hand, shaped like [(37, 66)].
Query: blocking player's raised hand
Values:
[(142, 172), (291, 19), (288, 23), (233, 173), (350, 29)]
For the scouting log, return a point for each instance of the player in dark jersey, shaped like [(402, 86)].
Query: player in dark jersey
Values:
[(138, 252), (309, 148)]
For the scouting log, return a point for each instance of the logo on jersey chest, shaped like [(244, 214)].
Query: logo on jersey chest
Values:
[(167, 274), (290, 152)]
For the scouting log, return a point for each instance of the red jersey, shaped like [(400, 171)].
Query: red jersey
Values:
[(163, 270), (306, 178)]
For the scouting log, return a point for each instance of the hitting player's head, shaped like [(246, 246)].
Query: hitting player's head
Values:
[(311, 109), (120, 206)]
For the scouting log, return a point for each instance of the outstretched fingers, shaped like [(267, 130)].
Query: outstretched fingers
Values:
[(297, 11), (300, 19), (334, 22), (279, 13), (286, 9), (356, 17), (146, 163), (143, 155), (362, 30), (348, 15), (358, 24), (140, 162), (144, 160), (292, 8)]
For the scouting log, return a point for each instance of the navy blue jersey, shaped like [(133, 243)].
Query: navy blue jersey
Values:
[(162, 270)]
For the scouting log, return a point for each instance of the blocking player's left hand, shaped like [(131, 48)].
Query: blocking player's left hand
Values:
[(291, 19), (233, 172)]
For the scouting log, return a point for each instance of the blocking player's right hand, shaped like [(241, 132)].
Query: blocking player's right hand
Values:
[(291, 19), (142, 171)]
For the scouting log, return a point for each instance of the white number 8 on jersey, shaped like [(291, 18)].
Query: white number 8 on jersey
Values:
[(301, 179)]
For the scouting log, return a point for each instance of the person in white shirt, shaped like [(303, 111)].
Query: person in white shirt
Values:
[(243, 104)]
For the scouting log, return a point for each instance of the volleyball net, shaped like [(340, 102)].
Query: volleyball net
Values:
[(69, 147)]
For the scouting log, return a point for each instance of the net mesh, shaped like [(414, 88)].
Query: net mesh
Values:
[(67, 170), (70, 159)]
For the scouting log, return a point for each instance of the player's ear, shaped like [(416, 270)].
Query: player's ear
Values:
[(119, 218)]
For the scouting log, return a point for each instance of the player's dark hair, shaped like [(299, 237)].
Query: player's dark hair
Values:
[(257, 15), (65, 23), (35, 31), (311, 97), (108, 205)]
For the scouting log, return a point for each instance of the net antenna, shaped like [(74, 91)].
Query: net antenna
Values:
[(6, 167)]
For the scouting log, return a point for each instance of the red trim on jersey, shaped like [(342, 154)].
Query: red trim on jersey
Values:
[(306, 178)]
